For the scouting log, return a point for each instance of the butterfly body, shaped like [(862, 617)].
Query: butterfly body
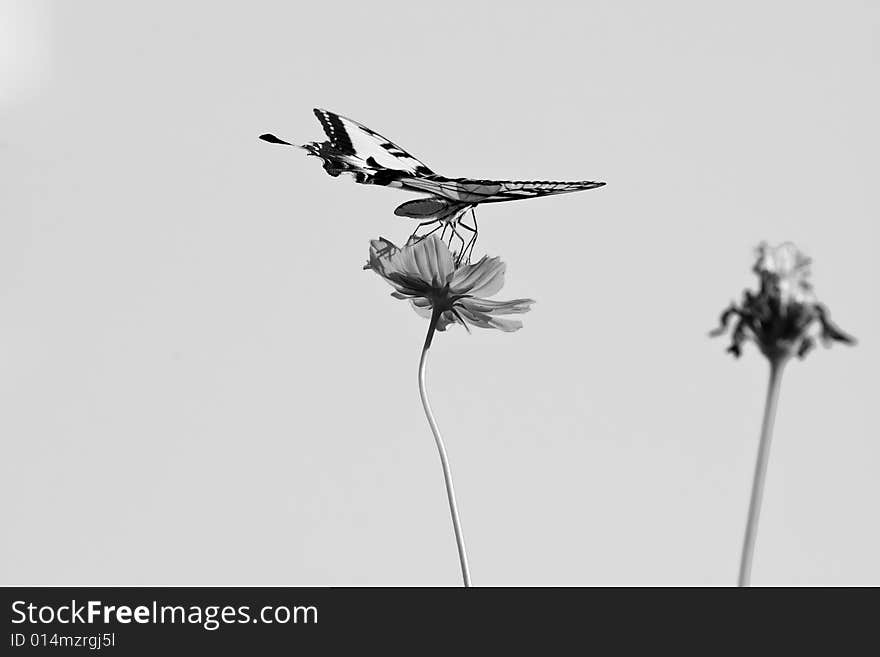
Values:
[(372, 159)]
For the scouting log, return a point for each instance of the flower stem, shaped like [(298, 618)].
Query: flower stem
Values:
[(745, 567), (447, 474)]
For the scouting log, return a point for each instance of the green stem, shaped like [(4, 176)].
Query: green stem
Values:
[(751, 535), (447, 474)]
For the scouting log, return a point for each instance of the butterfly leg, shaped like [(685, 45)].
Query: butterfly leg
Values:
[(476, 232), (430, 232), (451, 233), (469, 249), (415, 237), (458, 256)]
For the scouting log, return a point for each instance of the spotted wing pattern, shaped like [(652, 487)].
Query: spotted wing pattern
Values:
[(356, 149)]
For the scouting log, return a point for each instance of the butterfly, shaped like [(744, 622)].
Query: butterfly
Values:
[(372, 159)]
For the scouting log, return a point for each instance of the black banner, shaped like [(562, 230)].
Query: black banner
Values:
[(142, 620)]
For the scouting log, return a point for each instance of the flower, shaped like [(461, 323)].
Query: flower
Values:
[(786, 270), (780, 316), (425, 273)]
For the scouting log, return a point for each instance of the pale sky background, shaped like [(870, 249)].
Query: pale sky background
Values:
[(199, 384)]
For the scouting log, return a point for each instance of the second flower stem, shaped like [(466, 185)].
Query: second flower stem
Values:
[(444, 461), (748, 550)]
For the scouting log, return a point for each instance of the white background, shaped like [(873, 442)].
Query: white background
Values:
[(199, 384)]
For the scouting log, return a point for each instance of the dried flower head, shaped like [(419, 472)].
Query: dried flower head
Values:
[(780, 316), (425, 273)]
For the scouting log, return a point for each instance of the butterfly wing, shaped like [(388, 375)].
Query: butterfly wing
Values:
[(469, 190), (352, 139), (373, 159)]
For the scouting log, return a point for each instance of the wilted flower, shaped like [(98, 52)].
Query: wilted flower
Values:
[(780, 316), (425, 273)]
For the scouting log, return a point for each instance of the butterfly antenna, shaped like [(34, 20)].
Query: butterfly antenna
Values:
[(272, 139)]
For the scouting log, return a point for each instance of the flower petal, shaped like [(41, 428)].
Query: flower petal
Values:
[(429, 260), (379, 249), (787, 271), (423, 268), (483, 320), (422, 306), (487, 306), (484, 279), (830, 331)]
